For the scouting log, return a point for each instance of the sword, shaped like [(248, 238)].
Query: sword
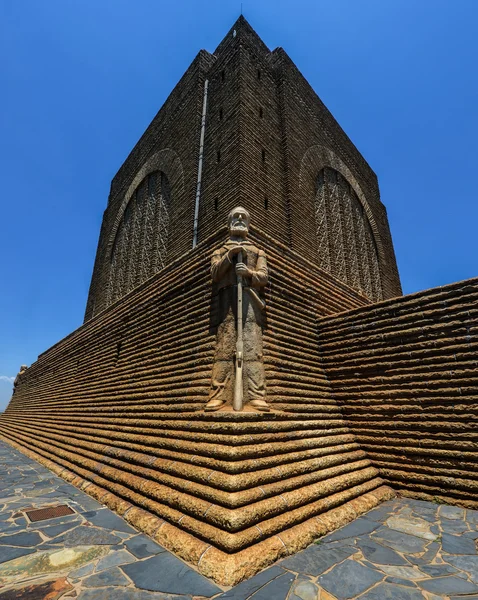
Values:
[(238, 388)]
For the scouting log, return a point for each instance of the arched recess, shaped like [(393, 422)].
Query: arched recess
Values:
[(138, 244), (348, 240)]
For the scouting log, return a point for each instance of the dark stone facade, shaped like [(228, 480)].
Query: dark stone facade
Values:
[(267, 138), (363, 395)]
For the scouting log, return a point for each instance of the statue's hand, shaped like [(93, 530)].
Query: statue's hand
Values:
[(234, 251), (242, 270)]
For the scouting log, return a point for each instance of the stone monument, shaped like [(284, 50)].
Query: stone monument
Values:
[(239, 264), (367, 391), (20, 373)]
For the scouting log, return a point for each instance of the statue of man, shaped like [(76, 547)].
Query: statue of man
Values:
[(225, 270), (22, 370)]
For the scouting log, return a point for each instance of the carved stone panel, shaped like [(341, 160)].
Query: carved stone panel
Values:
[(345, 243), (141, 241)]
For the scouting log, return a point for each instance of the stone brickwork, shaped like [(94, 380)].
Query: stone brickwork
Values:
[(405, 373), (117, 407), (361, 394), (267, 138)]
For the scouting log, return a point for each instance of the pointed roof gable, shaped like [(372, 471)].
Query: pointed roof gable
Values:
[(242, 33)]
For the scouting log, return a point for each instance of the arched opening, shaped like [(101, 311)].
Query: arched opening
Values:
[(345, 242), (140, 245)]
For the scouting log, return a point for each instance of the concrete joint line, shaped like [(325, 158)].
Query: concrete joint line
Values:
[(282, 541), (200, 558)]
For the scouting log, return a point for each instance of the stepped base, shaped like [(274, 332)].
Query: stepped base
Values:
[(229, 569)]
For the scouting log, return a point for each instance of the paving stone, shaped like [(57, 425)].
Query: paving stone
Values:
[(381, 554), (10, 553), (453, 544), (431, 552), (388, 591), (119, 593), (411, 525), (108, 520), (315, 560), (416, 560), (278, 588), (427, 508), (55, 530), (142, 546), (438, 570), (403, 572), (379, 514), (426, 516), (68, 489), (50, 561), (304, 590), (448, 585), (472, 516), (402, 542), (82, 571), (7, 527), (166, 573), (398, 581), (87, 536), (451, 512), (370, 565), (345, 543), (247, 588), (417, 503), (86, 503), (456, 526), (109, 577), (471, 534), (349, 579), (357, 527), (469, 564), (21, 539), (114, 559)]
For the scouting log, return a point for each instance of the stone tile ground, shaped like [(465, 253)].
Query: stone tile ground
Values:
[(403, 550)]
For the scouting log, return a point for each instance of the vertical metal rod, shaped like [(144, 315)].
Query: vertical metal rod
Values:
[(238, 387), (201, 155)]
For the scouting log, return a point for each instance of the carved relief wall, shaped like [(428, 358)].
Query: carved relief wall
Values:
[(345, 241), (141, 239)]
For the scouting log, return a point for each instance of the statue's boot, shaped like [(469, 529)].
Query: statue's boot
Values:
[(214, 404), (260, 405)]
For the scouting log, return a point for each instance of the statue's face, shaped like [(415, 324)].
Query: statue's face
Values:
[(239, 222)]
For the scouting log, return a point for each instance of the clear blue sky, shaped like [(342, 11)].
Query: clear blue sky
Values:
[(82, 79)]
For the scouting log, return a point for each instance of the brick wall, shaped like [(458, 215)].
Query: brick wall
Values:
[(405, 373), (174, 133), (117, 408), (267, 137)]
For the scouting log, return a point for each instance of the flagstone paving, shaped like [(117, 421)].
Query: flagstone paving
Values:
[(403, 550)]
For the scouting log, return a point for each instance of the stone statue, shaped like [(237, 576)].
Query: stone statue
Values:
[(22, 370), (250, 275)]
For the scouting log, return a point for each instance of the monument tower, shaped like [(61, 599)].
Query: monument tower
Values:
[(248, 375), (243, 127)]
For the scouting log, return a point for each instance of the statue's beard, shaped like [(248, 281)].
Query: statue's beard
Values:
[(239, 230)]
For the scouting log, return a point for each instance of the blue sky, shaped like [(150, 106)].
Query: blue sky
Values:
[(81, 80)]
